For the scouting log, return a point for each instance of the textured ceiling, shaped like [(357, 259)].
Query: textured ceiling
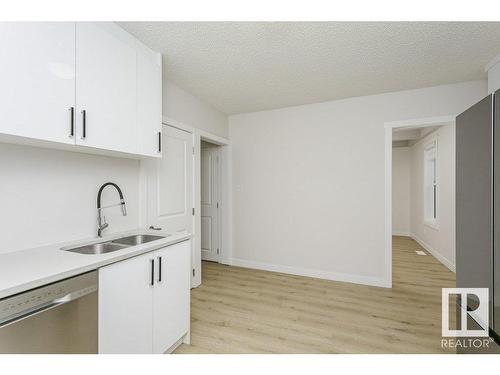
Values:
[(249, 66)]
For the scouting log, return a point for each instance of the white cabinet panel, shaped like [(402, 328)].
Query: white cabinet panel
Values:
[(125, 306), (171, 296), (106, 87), (37, 75), (148, 101)]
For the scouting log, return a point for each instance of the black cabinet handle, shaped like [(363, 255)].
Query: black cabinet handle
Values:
[(159, 269), (159, 142), (72, 122), (152, 272), (84, 124)]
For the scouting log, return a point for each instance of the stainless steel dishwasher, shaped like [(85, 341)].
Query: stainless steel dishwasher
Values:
[(55, 318)]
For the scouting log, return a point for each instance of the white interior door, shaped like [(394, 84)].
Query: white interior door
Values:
[(37, 79), (209, 203), (170, 183)]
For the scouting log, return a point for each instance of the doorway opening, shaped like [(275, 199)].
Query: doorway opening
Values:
[(420, 195), (210, 201)]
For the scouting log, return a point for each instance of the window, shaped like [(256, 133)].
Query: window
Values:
[(430, 183)]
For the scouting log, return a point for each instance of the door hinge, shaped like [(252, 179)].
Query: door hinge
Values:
[(193, 211), (217, 251), (193, 150), (217, 204), (194, 272)]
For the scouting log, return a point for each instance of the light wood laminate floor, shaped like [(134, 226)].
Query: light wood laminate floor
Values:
[(239, 310)]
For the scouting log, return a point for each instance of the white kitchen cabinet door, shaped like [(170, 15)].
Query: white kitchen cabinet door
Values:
[(126, 306), (37, 79), (106, 89), (171, 296), (148, 101)]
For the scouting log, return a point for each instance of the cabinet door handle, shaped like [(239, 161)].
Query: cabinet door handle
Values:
[(159, 142), (72, 122), (159, 269), (152, 272), (84, 124)]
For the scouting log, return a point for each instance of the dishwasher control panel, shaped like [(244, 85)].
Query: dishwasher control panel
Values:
[(31, 302)]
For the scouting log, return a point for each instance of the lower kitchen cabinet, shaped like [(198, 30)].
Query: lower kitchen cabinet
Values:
[(126, 306), (144, 301), (171, 296)]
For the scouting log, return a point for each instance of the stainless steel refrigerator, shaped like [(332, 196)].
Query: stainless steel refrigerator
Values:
[(478, 203)]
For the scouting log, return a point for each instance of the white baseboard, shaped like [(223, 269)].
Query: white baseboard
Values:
[(398, 233), (319, 274), (446, 262)]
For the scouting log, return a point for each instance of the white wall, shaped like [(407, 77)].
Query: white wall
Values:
[(440, 240), (184, 107), (308, 181), (401, 191), (49, 196)]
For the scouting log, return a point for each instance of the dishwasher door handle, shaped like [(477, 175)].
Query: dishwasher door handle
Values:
[(44, 307), (35, 311)]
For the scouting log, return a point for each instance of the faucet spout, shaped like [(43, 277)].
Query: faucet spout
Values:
[(124, 208), (101, 220)]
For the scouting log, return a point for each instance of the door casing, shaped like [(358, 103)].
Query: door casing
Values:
[(388, 128)]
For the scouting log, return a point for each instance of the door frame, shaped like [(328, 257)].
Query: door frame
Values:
[(389, 127), (225, 202)]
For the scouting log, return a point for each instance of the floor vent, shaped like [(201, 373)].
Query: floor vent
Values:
[(420, 252)]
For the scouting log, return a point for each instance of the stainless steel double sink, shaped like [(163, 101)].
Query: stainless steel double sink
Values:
[(114, 245)]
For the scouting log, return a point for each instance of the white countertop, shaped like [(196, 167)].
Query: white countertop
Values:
[(31, 268)]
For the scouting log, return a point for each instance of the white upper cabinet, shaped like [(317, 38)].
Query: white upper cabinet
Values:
[(37, 80), (86, 86), (148, 101), (106, 90)]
